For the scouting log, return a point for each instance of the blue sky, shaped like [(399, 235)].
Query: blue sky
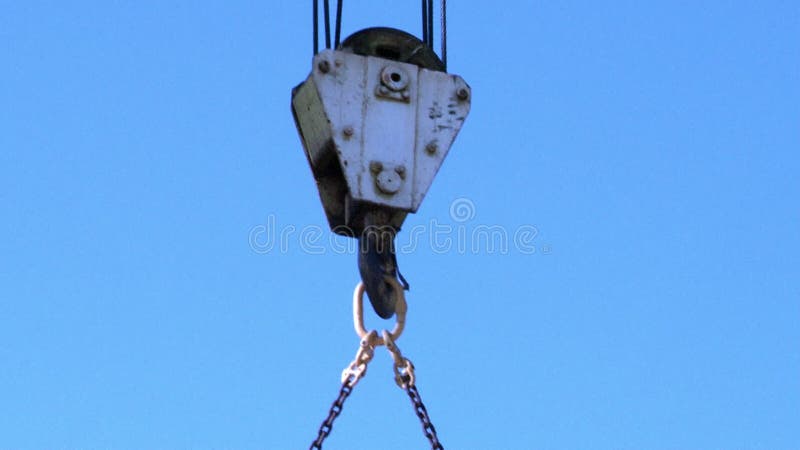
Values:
[(651, 145)]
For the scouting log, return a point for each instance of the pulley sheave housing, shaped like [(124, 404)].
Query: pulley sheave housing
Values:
[(377, 117)]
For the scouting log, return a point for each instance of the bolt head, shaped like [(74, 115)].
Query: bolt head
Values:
[(388, 182), (324, 66), (462, 93), (401, 170), (431, 148), (348, 132), (375, 167)]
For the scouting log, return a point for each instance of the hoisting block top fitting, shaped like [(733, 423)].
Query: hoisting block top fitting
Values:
[(377, 117)]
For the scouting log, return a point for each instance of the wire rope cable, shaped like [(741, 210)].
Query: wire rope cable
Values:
[(326, 6), (338, 32), (425, 22), (430, 24), (444, 34), (427, 26), (315, 25)]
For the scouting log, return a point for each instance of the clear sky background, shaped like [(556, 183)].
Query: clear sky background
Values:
[(652, 145)]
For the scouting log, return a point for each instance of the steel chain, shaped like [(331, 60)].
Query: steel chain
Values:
[(422, 413), (405, 377), (403, 370), (336, 409), (350, 376)]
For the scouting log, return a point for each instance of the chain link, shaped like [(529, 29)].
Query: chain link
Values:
[(403, 367), (403, 372), (422, 413), (405, 377), (336, 409), (358, 368), (350, 376)]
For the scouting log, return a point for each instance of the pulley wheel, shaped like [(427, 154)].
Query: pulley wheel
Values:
[(394, 44)]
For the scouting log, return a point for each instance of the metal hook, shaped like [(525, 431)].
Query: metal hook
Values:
[(377, 263)]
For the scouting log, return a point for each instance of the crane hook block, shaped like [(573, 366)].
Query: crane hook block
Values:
[(377, 117)]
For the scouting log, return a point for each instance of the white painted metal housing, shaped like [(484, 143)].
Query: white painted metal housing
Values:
[(376, 131)]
